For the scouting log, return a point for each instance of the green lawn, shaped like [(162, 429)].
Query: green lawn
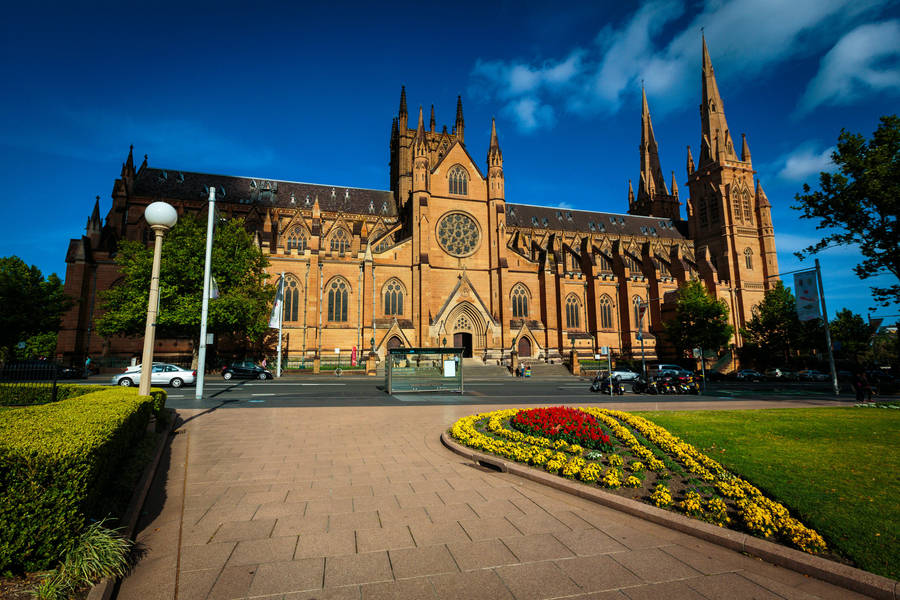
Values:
[(836, 469)]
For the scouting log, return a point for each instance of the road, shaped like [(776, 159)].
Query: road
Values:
[(370, 391)]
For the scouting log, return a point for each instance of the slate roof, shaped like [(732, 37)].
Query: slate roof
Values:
[(184, 185), (527, 216)]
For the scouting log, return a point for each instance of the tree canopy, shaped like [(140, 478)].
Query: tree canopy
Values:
[(774, 335), (238, 266), (31, 308), (860, 203), (850, 335), (701, 321)]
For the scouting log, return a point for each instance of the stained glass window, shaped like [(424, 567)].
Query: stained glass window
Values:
[(520, 301), (605, 312), (458, 234), (338, 293), (393, 298), (573, 312), (340, 241), (459, 181)]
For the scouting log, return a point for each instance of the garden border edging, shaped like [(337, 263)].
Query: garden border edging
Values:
[(104, 589), (851, 578)]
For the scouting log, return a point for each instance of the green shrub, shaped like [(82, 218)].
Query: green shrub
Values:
[(41, 393), (57, 463)]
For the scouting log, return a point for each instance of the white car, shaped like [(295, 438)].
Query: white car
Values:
[(162, 374), (624, 374)]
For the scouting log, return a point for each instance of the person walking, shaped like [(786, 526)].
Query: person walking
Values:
[(87, 366)]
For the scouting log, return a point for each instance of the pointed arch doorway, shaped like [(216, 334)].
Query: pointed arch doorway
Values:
[(463, 340), (524, 347)]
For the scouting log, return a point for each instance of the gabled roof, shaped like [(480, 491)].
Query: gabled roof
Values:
[(587, 222), (185, 185)]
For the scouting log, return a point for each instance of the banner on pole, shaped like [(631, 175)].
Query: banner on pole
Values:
[(213, 288), (807, 290), (275, 319)]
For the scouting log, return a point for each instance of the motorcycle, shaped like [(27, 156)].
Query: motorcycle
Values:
[(666, 385), (687, 385), (603, 384)]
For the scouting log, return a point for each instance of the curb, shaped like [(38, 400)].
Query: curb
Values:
[(850, 578), (104, 589)]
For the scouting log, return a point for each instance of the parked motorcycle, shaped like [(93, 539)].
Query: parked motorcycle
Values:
[(686, 384), (602, 384)]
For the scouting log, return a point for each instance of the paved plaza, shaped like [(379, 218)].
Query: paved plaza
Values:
[(364, 503)]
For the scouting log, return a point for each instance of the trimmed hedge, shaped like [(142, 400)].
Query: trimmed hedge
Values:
[(57, 463), (40, 393)]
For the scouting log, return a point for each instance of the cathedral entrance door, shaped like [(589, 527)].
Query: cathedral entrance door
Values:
[(394, 342), (524, 347), (463, 340)]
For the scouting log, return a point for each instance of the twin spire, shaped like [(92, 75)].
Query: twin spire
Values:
[(652, 179), (403, 117)]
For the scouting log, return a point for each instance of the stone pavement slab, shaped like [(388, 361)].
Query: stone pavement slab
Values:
[(332, 502)]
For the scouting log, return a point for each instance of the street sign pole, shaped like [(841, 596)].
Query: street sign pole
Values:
[(834, 381)]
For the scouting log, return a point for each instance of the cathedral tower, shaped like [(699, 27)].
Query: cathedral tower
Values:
[(729, 216), (653, 197)]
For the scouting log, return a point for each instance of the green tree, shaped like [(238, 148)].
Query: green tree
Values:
[(774, 332), (701, 321), (861, 203), (238, 266), (29, 304), (850, 335)]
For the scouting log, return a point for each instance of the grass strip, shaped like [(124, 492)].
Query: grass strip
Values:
[(836, 469)]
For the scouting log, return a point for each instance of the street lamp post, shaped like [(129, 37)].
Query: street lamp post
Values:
[(160, 216)]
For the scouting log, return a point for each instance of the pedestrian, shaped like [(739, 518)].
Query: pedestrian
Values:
[(858, 386), (87, 366), (264, 362), (866, 388)]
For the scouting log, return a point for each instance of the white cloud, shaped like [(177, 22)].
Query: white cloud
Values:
[(745, 37), (804, 162), (529, 114), (865, 60)]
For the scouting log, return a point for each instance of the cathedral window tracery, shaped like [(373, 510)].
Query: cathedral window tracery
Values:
[(291, 298), (606, 265), (605, 312), (748, 214), (520, 301), (573, 312), (459, 181), (748, 259), (296, 240), (636, 304), (458, 234), (393, 297), (340, 241), (338, 296)]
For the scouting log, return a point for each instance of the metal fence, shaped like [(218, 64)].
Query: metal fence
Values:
[(30, 382)]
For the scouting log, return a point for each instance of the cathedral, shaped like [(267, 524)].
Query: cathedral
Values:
[(445, 258)]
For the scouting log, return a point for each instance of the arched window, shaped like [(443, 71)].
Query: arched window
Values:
[(573, 312), (384, 244), (393, 298), (637, 304), (632, 263), (748, 214), (296, 240), (338, 297), (736, 203), (340, 241), (605, 312), (748, 259), (291, 299), (520, 301), (459, 181), (606, 265)]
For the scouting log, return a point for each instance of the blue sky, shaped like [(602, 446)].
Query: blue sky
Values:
[(306, 92)]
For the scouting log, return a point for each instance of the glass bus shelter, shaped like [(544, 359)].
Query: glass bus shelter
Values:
[(424, 370)]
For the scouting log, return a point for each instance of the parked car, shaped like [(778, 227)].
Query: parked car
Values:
[(662, 370), (246, 370), (37, 370), (624, 374), (812, 375), (160, 374), (749, 375)]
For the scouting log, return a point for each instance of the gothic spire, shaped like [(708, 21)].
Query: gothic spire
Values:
[(95, 214), (494, 147), (712, 111), (431, 125), (651, 171), (421, 147), (745, 149), (674, 185), (761, 198), (690, 162), (403, 112), (460, 123), (630, 194), (128, 167)]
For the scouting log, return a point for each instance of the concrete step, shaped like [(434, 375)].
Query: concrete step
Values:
[(544, 370)]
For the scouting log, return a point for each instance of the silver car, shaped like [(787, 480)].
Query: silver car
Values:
[(162, 374), (624, 374)]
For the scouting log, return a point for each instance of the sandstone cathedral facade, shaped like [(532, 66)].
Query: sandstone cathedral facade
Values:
[(444, 257)]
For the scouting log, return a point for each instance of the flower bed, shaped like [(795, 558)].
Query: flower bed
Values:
[(637, 459)]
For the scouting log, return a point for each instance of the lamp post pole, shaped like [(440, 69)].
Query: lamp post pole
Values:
[(160, 216), (204, 311)]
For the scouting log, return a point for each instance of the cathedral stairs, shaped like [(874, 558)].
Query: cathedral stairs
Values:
[(474, 368), (547, 371)]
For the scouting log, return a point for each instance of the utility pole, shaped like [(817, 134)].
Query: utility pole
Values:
[(834, 381), (204, 312)]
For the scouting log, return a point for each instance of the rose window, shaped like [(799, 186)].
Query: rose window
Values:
[(458, 234)]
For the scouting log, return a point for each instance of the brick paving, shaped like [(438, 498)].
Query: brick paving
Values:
[(365, 503)]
